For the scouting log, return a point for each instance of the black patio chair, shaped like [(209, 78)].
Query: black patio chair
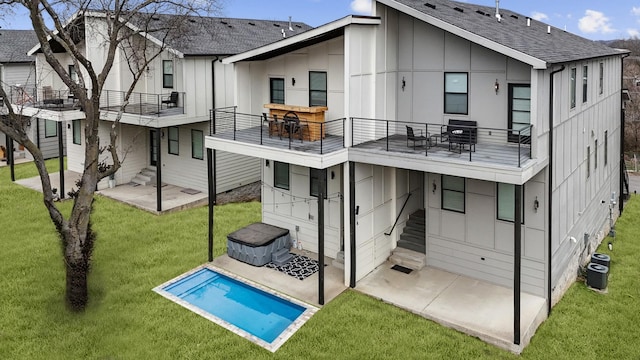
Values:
[(171, 100), (411, 136)]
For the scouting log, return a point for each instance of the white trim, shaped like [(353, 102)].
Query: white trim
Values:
[(482, 41), (319, 31)]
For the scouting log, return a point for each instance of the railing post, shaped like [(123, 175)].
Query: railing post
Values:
[(387, 135), (321, 137), (140, 102), (344, 140), (261, 122), (158, 101), (235, 118), (427, 142), (520, 146), (353, 136)]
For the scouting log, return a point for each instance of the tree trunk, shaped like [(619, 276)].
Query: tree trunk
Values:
[(77, 294)]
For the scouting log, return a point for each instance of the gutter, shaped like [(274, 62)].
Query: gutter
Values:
[(550, 200), (622, 123)]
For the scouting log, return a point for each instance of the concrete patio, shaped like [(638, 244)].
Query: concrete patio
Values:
[(142, 197), (471, 306)]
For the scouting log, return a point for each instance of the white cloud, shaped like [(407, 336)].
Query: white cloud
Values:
[(536, 15), (361, 6), (595, 22), (633, 33), (635, 11)]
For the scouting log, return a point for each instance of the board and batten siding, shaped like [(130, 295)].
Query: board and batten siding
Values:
[(49, 145), (375, 199), (582, 192), (477, 244), (296, 207)]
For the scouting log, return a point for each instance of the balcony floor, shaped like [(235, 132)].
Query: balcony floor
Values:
[(497, 154), (252, 135)]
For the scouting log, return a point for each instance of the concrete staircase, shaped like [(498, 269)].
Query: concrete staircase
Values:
[(146, 176), (411, 248), (339, 260)]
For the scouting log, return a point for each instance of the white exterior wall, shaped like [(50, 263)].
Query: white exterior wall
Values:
[(479, 245), (578, 200), (253, 78), (296, 207), (12, 74)]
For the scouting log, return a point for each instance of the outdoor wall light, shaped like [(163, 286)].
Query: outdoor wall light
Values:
[(496, 86), (293, 81), (266, 163), (536, 204), (433, 187), (404, 83), (333, 175)]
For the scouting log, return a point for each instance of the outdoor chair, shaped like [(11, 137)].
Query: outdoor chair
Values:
[(411, 136), (172, 100), (292, 125), (273, 124), (49, 98)]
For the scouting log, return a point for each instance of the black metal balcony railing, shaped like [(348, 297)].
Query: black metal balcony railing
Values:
[(511, 147), (227, 123), (110, 100)]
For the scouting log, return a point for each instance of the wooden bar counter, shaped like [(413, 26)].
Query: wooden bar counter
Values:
[(311, 115)]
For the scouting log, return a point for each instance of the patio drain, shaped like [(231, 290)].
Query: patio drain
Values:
[(401, 268)]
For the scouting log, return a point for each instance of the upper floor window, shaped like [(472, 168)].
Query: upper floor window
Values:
[(453, 193), (50, 128), (73, 74), (197, 144), (281, 175), (276, 90), (456, 99), (601, 79), (167, 74), (317, 88), (585, 80), (174, 140), (572, 87)]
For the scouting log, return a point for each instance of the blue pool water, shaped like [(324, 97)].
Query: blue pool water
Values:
[(252, 310)]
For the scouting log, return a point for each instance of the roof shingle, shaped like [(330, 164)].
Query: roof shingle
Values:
[(512, 31), (14, 45)]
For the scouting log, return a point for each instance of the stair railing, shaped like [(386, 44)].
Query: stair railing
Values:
[(400, 213)]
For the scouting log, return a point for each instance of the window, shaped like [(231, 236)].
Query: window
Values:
[(519, 112), (456, 93), (276, 89), (507, 201), (50, 128), (315, 175), (174, 141), (73, 74), (453, 192), (585, 78), (572, 87), (595, 155), (588, 161), (601, 79), (281, 175), (77, 135), (606, 147), (317, 88), (197, 143), (167, 74)]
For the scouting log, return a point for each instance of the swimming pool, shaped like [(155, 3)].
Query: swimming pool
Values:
[(249, 310)]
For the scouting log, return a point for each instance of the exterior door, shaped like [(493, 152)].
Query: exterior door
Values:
[(153, 148), (519, 112)]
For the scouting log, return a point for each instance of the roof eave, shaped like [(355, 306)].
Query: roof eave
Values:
[(309, 34), (536, 63)]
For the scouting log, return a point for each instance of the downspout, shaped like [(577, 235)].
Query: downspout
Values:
[(550, 200), (622, 125), (211, 161)]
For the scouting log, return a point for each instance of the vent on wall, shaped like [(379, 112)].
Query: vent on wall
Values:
[(430, 6)]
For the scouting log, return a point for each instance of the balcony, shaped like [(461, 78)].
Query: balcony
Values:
[(507, 147), (145, 104), (228, 124)]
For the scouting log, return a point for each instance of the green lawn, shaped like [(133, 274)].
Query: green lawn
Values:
[(137, 251)]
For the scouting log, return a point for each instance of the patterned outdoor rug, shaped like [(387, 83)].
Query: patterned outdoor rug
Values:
[(299, 267)]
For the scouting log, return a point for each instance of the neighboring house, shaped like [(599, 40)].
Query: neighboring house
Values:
[(504, 111), (17, 75), (161, 132)]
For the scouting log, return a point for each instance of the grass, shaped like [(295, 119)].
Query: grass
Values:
[(136, 251)]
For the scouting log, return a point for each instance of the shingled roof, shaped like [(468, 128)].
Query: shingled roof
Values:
[(14, 45), (556, 47), (224, 36)]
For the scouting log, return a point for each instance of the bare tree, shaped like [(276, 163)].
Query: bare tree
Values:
[(128, 27)]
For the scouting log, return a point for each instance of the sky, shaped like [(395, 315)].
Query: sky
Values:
[(592, 19)]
